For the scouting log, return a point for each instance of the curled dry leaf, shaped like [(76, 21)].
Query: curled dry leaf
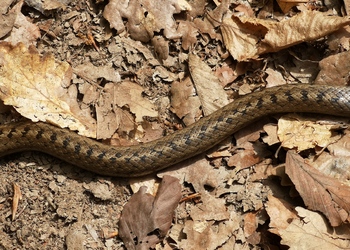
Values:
[(247, 38), (145, 218), (39, 89), (241, 45), (319, 191)]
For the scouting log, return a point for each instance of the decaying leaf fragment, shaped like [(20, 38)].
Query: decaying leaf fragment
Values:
[(144, 17), (39, 88), (319, 191), (145, 218), (184, 103), (17, 196), (247, 38)]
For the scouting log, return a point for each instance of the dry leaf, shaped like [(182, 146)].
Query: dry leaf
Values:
[(23, 30), (271, 138), (184, 103), (227, 73), (312, 232), (212, 19), (297, 132), (306, 26), (247, 38), (333, 70), (129, 94), (7, 18), (145, 219), (280, 213), (189, 34), (238, 42), (39, 88), (319, 192), (286, 5), (208, 235), (92, 73), (208, 87), (250, 228), (274, 78), (144, 17), (17, 196), (248, 150)]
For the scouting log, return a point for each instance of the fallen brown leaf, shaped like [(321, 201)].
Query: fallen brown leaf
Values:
[(183, 102), (209, 89), (319, 192), (146, 219), (144, 17), (333, 70), (311, 231), (23, 30), (247, 38), (39, 88)]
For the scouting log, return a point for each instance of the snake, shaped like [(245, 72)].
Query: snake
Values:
[(153, 156)]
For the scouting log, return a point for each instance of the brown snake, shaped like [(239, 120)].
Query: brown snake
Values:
[(150, 157)]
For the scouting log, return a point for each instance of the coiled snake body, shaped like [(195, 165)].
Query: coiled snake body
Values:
[(156, 155)]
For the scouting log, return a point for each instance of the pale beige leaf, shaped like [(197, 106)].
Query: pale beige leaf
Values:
[(297, 132), (92, 73), (311, 231), (8, 19), (209, 234), (319, 192), (129, 94), (39, 88), (286, 5), (122, 107), (209, 90), (337, 167), (271, 138), (111, 117)]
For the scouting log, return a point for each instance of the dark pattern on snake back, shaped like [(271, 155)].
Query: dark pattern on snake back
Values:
[(153, 156)]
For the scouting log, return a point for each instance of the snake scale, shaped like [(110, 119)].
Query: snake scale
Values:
[(150, 157)]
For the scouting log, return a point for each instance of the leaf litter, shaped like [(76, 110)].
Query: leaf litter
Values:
[(116, 87)]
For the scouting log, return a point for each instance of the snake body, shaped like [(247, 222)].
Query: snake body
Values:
[(150, 157)]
